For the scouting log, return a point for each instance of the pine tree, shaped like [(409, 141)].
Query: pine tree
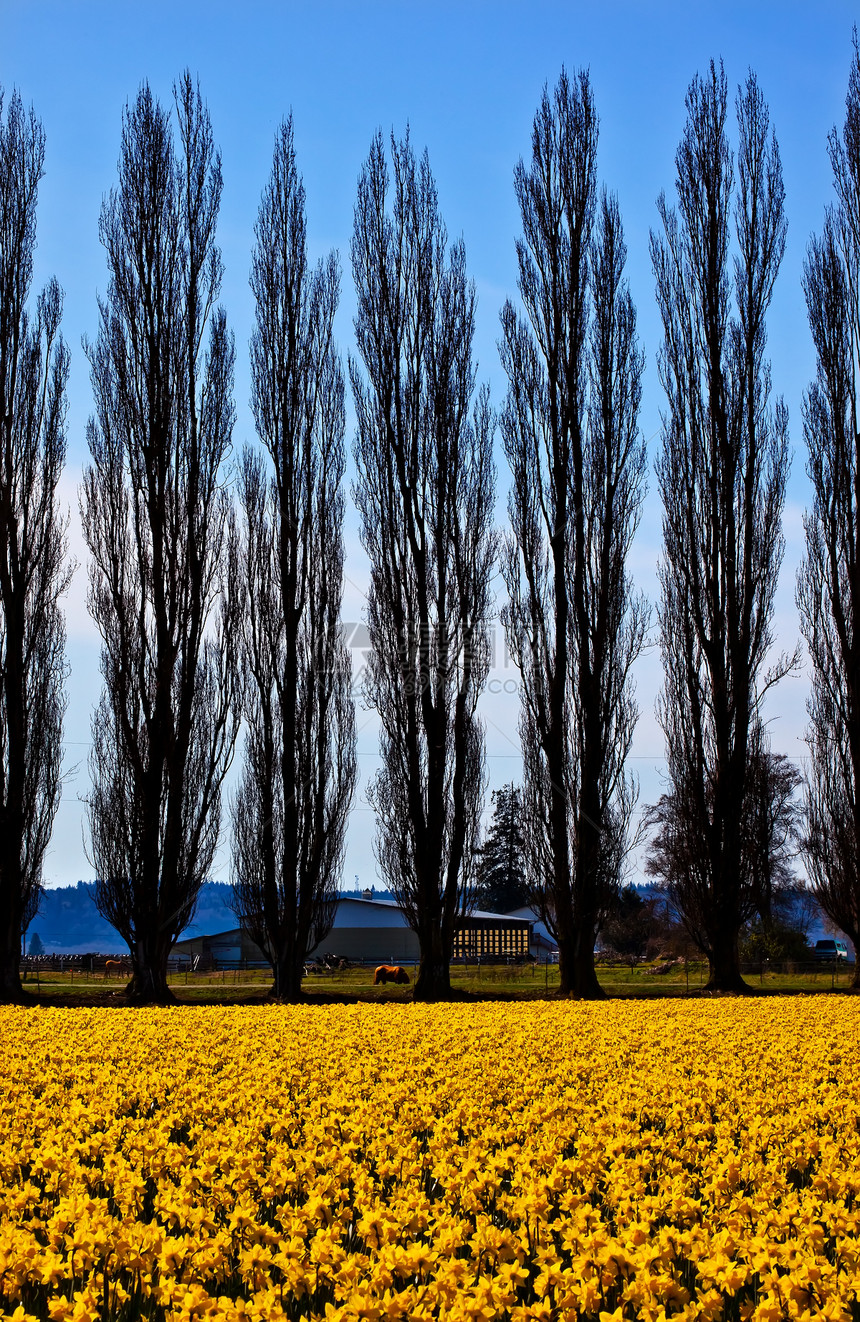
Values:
[(501, 881)]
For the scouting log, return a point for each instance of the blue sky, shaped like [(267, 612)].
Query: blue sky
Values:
[(467, 77)]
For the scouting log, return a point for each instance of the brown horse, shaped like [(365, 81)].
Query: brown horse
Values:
[(390, 973), (114, 966)]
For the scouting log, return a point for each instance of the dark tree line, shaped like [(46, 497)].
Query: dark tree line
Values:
[(208, 618)]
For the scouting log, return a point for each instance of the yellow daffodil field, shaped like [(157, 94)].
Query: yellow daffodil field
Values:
[(543, 1160)]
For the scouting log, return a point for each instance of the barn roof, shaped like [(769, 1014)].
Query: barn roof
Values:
[(392, 904)]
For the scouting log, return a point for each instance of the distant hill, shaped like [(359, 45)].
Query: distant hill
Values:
[(69, 923)]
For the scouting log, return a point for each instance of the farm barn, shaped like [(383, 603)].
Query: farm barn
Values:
[(376, 931), (371, 929)]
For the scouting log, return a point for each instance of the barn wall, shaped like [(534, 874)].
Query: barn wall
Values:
[(383, 945)]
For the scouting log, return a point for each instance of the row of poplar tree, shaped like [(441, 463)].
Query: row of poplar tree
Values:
[(217, 613)]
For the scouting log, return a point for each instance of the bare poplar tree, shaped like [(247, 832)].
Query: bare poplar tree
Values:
[(828, 585), (34, 366), (290, 812), (570, 427), (164, 588), (722, 474), (425, 494)]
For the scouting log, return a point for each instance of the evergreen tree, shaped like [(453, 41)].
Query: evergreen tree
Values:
[(501, 879)]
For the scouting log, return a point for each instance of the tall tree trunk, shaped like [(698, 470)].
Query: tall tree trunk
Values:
[(583, 982), (289, 817), (563, 918), (724, 973), (433, 979), (165, 591), (288, 969), (149, 956), (828, 581), (11, 989)]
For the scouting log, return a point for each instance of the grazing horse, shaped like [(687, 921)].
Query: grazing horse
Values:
[(390, 973), (116, 966)]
